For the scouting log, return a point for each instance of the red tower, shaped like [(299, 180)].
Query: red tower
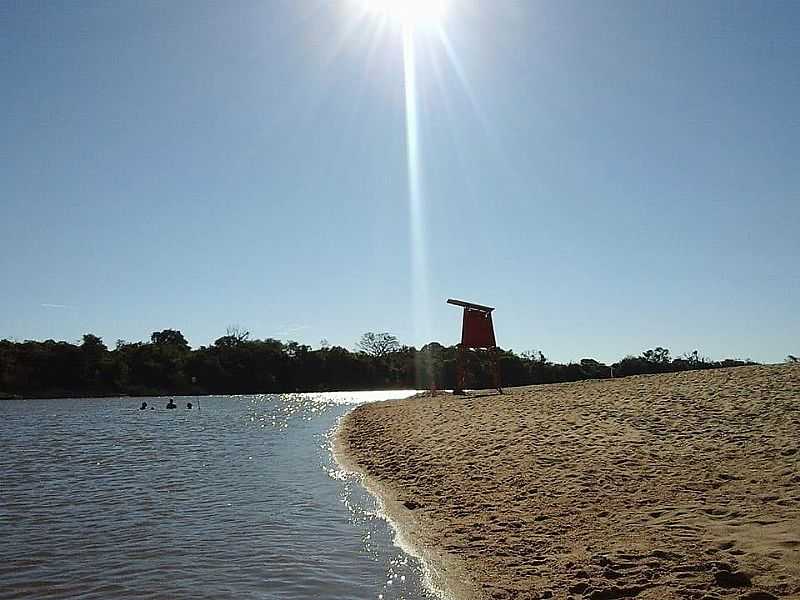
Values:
[(477, 331)]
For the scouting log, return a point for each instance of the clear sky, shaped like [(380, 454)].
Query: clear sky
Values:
[(611, 176)]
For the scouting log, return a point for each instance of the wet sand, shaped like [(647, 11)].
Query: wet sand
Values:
[(659, 486)]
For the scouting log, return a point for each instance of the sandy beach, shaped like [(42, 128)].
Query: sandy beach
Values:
[(663, 486)]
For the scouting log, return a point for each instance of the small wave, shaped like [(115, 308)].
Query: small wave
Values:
[(340, 470)]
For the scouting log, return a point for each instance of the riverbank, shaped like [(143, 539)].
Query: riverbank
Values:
[(683, 485)]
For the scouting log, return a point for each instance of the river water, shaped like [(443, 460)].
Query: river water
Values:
[(239, 499)]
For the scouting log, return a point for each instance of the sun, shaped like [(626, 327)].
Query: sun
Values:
[(409, 13)]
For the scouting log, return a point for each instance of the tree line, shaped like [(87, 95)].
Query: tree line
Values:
[(236, 364)]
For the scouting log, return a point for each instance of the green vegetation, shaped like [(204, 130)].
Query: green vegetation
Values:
[(235, 364)]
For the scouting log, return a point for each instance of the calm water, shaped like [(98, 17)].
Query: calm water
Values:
[(237, 500)]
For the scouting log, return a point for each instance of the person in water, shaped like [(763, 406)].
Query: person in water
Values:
[(189, 405), (171, 404), (144, 406)]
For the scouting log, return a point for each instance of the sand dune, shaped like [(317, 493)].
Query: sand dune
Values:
[(668, 486)]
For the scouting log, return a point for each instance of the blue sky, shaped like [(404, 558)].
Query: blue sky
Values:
[(611, 176)]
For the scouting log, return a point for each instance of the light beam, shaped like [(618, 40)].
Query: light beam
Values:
[(419, 266)]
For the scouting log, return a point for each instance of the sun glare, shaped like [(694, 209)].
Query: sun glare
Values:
[(409, 13), (428, 18)]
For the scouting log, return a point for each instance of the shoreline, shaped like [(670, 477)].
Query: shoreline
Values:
[(681, 485), (440, 580)]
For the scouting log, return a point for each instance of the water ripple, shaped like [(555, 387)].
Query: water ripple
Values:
[(239, 499)]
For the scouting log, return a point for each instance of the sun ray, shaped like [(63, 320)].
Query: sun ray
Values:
[(458, 69), (452, 128), (493, 143), (409, 13), (325, 80), (414, 17), (375, 39), (419, 255)]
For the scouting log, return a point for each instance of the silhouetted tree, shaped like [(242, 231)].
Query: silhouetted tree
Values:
[(233, 337), (378, 344), (236, 364), (659, 356), (593, 369), (93, 345), (169, 337)]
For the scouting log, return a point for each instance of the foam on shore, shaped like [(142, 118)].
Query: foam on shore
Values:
[(670, 486), (402, 524)]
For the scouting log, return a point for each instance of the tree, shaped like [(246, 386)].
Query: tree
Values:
[(295, 350), (535, 356), (235, 364), (594, 369), (693, 358), (169, 337), (233, 337), (93, 345), (659, 356), (378, 344)]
